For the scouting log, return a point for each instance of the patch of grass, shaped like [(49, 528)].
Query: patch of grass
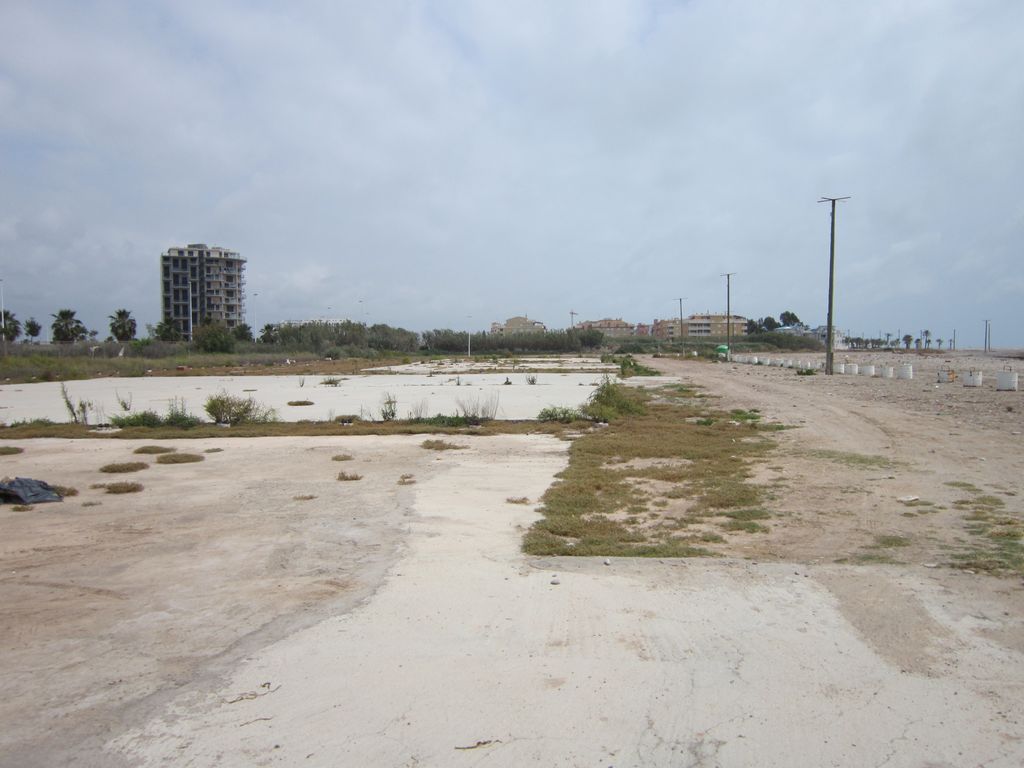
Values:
[(300, 402), (806, 372), (748, 526), (154, 449), (124, 466), (213, 450), (22, 507), (748, 514), (890, 541), (870, 558), (179, 458), (517, 500), (440, 445), (65, 490), (597, 507), (123, 487), (738, 414), (10, 450), (854, 460), (406, 480), (349, 476), (92, 503), (341, 457), (304, 497), (963, 486), (330, 381)]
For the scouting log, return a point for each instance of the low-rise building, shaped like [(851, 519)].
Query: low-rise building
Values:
[(699, 325), (613, 328), (519, 324)]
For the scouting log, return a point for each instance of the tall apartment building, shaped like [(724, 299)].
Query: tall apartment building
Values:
[(200, 283)]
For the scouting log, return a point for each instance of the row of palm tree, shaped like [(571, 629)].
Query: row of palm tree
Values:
[(66, 327)]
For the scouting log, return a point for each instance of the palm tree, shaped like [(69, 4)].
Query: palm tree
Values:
[(11, 326), (269, 334), (907, 340), (122, 325), (66, 327), (938, 343), (32, 329), (927, 336)]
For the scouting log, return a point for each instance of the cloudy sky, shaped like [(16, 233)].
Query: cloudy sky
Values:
[(445, 164)]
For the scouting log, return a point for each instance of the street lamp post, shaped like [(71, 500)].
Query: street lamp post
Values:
[(3, 316), (831, 281), (469, 338)]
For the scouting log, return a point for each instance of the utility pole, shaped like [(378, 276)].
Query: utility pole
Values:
[(681, 317), (953, 343), (728, 314), (3, 316), (572, 319), (831, 281), (469, 338), (988, 335)]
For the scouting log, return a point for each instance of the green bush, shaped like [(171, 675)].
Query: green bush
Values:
[(230, 409), (140, 419), (560, 414), (213, 337)]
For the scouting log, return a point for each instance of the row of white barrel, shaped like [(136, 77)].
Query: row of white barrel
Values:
[(1006, 381)]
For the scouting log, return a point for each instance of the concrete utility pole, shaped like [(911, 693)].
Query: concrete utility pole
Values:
[(680, 316), (988, 335), (728, 313), (572, 319), (829, 341)]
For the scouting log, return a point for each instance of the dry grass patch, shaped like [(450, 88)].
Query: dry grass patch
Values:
[(349, 476), (65, 490), (517, 500), (10, 450), (213, 450), (179, 458), (406, 480), (440, 445), (300, 402), (304, 497), (154, 450), (124, 466), (342, 457), (122, 487)]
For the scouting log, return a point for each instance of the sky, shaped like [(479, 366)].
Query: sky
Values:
[(444, 164)]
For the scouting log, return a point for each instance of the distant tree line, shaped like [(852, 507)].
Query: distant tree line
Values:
[(454, 342)]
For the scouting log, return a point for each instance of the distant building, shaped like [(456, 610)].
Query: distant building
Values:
[(642, 329), (699, 326), (516, 325), (838, 337), (200, 283), (615, 329)]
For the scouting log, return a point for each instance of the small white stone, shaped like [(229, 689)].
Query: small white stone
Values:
[(607, 561), (555, 580)]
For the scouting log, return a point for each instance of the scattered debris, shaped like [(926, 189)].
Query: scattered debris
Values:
[(485, 743)]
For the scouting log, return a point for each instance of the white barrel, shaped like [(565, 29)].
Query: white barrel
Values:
[(946, 376), (789, 363), (766, 361), (972, 379), (780, 362), (905, 372), (753, 360), (867, 370), (852, 368), (1006, 381), (887, 371), (839, 368)]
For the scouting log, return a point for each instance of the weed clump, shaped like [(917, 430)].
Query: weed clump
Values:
[(560, 414), (300, 402), (440, 445), (10, 450), (123, 487), (65, 490), (406, 480), (611, 401), (232, 410), (179, 458), (124, 466), (349, 476), (154, 449), (517, 500)]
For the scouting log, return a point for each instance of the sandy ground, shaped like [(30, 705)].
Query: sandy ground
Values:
[(429, 639), (415, 395)]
